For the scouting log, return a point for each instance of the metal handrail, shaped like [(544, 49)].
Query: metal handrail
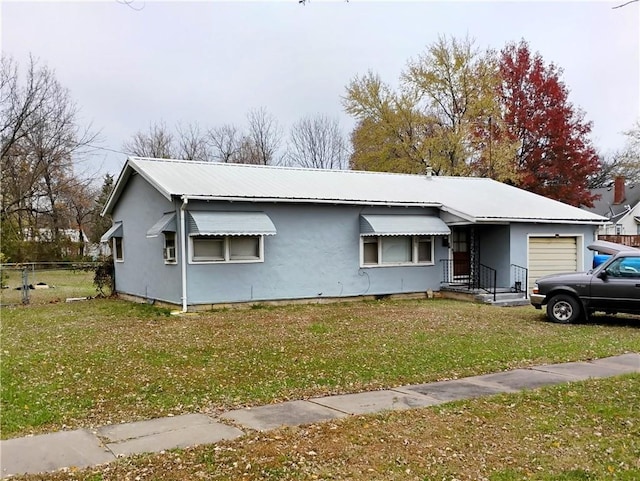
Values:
[(520, 276), (481, 277), (487, 279)]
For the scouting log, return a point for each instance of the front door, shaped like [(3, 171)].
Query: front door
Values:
[(460, 246)]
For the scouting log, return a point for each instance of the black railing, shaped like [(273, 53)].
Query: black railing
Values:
[(520, 276), (487, 279), (478, 277), (456, 272)]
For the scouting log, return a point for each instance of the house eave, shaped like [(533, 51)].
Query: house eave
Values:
[(539, 220), (292, 200), (122, 181)]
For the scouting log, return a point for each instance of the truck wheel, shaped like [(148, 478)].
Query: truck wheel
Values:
[(564, 309)]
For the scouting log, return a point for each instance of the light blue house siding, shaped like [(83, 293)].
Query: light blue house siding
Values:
[(520, 234), (314, 254), (143, 272), (320, 232), (496, 240), (493, 241)]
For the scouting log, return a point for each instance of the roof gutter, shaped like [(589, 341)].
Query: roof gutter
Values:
[(183, 251), (312, 201)]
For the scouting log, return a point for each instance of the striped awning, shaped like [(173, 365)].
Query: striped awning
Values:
[(402, 225), (230, 223), (167, 223), (114, 231)]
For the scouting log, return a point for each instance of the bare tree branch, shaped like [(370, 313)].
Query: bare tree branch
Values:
[(225, 142), (317, 143), (624, 4)]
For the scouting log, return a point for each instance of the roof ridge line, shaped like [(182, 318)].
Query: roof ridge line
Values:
[(297, 168)]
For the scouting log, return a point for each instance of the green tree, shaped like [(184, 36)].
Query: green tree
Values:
[(455, 85), (445, 114), (99, 224), (391, 131)]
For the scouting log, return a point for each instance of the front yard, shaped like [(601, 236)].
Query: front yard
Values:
[(106, 361)]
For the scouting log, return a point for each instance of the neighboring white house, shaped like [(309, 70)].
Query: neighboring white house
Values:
[(44, 234), (620, 203)]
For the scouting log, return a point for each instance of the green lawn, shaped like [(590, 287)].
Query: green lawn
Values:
[(584, 431), (107, 361), (62, 284), (68, 365)]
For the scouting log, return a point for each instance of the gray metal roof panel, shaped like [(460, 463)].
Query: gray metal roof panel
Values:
[(402, 225), (477, 199), (230, 223), (114, 231), (167, 223)]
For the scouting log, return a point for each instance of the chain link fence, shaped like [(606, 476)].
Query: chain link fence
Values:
[(46, 282)]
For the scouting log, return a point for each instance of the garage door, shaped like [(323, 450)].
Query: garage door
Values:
[(550, 255)]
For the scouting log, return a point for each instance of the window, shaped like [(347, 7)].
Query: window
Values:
[(170, 247), (618, 229), (118, 255), (226, 249), (396, 250), (625, 267), (370, 250)]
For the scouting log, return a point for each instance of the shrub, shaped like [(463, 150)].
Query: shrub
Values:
[(105, 276)]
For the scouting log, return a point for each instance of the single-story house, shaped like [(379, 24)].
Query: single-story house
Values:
[(620, 204), (197, 234)]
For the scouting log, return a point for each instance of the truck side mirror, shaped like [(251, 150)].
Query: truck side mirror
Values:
[(603, 275)]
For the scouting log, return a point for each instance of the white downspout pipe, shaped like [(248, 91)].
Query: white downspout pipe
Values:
[(183, 250)]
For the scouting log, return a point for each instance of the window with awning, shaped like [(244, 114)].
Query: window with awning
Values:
[(114, 231), (167, 223), (228, 236), (399, 240)]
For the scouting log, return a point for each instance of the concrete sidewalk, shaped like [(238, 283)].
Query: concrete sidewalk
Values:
[(83, 448)]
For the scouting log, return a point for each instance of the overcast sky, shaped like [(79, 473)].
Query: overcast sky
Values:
[(211, 62)]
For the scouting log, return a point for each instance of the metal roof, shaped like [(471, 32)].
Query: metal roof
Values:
[(167, 223), (402, 225), (472, 198), (114, 231)]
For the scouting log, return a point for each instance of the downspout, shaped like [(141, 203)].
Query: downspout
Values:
[(183, 251)]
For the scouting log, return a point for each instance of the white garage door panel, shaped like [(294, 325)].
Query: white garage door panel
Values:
[(550, 255)]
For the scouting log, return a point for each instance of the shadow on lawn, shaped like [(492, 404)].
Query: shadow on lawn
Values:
[(602, 319), (615, 320)]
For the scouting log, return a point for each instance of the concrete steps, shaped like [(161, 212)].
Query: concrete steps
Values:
[(504, 297)]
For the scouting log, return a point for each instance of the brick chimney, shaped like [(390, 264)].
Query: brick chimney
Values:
[(618, 190)]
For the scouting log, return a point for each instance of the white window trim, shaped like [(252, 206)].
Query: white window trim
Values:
[(115, 250), (167, 260), (227, 259), (414, 252)]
